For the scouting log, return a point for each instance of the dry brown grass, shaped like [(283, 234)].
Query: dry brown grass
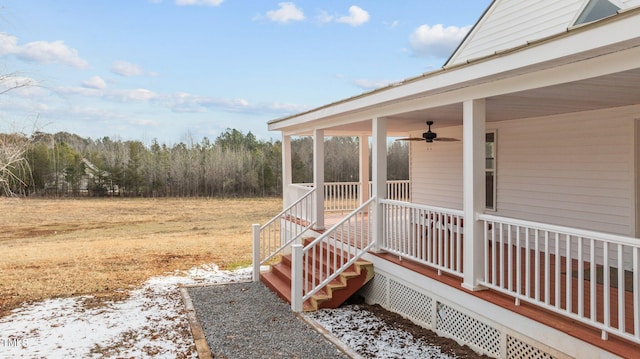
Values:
[(61, 248)]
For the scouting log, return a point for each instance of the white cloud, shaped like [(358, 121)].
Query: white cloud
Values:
[(87, 113), (8, 44), (324, 17), (41, 51), (145, 122), (127, 69), (437, 40), (186, 102), (15, 82), (133, 95), (20, 89), (183, 102), (286, 13), (96, 82), (288, 108), (199, 2), (123, 96), (392, 24), (51, 52), (78, 91), (179, 102), (357, 16)]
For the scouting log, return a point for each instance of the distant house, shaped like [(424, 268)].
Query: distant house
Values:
[(521, 239), (97, 182), (91, 181)]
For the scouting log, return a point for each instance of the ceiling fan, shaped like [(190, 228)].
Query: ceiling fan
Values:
[(428, 136)]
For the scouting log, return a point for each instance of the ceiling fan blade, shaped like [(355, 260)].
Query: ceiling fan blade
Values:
[(446, 139), (410, 139)]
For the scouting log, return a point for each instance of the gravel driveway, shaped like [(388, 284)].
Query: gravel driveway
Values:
[(246, 320)]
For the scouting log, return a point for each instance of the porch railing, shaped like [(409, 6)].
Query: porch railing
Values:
[(345, 196), (398, 190), (341, 196), (588, 276), (428, 235), (272, 238), (314, 265)]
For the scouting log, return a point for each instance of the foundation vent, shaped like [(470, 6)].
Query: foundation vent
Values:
[(468, 329), (519, 349), (429, 311), (410, 303), (376, 290)]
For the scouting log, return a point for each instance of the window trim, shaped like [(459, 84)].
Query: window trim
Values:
[(494, 170)]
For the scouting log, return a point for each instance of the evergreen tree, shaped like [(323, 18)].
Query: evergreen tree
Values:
[(235, 164)]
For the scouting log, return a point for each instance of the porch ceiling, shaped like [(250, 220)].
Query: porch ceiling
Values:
[(613, 90)]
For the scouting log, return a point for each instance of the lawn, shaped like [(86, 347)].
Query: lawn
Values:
[(104, 247)]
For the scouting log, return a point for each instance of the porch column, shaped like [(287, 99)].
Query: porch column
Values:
[(318, 176), (474, 116), (286, 169), (364, 168), (379, 177)]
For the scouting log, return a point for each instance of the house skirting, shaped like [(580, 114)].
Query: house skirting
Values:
[(486, 327)]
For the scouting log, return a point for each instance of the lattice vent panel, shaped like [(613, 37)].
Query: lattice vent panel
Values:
[(376, 290), (468, 329), (519, 349), (409, 302)]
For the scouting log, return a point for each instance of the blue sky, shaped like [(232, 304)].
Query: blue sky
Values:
[(180, 70)]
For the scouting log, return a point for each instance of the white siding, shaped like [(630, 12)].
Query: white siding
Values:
[(436, 170), (512, 23), (574, 170)]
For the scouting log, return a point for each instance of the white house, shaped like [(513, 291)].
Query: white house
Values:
[(521, 239)]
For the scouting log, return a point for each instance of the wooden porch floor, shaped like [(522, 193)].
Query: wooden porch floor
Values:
[(613, 344)]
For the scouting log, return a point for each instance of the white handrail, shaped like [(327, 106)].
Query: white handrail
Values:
[(562, 269), (269, 239), (399, 190), (614, 238), (341, 196), (345, 196), (425, 234), (350, 240)]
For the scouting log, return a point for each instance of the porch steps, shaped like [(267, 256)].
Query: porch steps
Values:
[(278, 279)]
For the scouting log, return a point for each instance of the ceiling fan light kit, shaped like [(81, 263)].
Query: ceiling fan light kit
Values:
[(428, 136)]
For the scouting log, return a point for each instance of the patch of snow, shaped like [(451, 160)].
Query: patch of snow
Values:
[(371, 337), (151, 322)]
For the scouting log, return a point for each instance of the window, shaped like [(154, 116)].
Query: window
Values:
[(596, 10), (490, 170)]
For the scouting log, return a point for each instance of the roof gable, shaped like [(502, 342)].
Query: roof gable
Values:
[(511, 23)]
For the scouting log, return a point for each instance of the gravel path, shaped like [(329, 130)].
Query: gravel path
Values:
[(246, 320)]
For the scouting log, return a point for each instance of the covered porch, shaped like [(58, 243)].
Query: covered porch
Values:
[(549, 274), (544, 228)]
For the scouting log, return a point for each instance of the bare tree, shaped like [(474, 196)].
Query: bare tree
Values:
[(12, 81), (14, 167)]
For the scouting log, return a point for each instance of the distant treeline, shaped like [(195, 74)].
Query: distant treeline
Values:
[(234, 164)]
